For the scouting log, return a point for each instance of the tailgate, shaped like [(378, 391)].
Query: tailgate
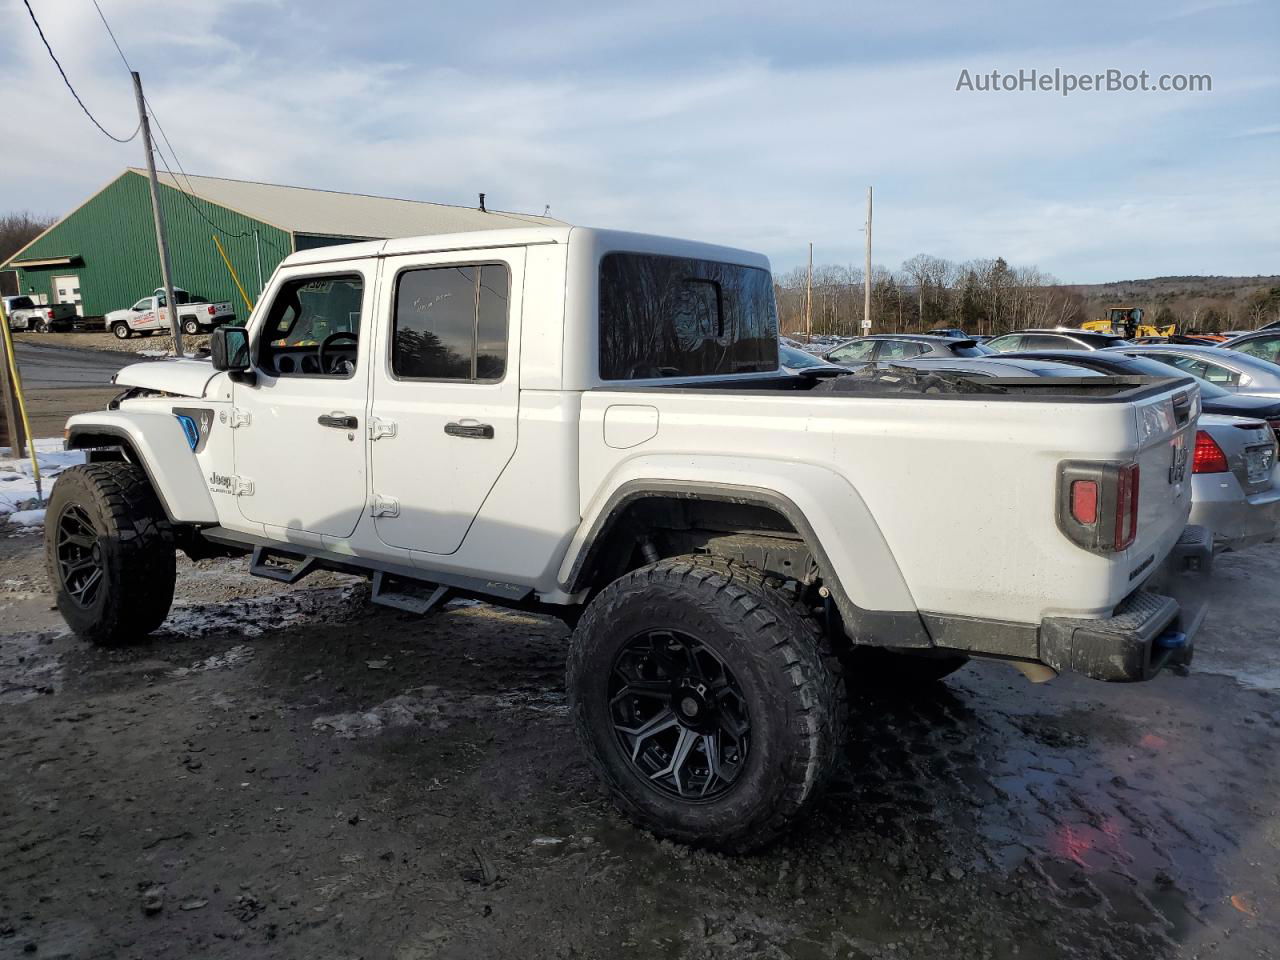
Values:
[(1166, 442)]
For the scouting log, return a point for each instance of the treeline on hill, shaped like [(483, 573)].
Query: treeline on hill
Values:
[(990, 296)]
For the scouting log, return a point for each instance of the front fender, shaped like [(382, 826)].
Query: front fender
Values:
[(820, 504), (158, 444)]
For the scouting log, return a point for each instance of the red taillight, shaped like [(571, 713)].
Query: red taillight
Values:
[(1209, 457), (1127, 506), (49, 314), (1275, 427), (211, 310), (1084, 501)]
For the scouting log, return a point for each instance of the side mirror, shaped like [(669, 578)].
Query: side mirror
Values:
[(229, 349)]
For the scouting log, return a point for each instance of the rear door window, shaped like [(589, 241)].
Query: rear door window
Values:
[(1007, 343), (901, 349), (451, 323), (1264, 348), (1047, 341), (684, 317)]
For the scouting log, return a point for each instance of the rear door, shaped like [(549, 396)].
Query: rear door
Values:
[(446, 392)]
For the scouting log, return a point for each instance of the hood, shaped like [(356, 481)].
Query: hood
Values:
[(187, 378), (122, 314)]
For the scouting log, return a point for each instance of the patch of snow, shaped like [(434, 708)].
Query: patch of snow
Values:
[(241, 653), (17, 482)]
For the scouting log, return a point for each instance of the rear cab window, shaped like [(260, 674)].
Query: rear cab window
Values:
[(663, 316)]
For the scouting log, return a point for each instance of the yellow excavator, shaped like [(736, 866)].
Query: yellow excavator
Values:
[(1127, 322)]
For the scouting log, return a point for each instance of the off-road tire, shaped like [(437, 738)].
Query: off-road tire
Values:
[(121, 330), (137, 552), (791, 683), (191, 326), (875, 669)]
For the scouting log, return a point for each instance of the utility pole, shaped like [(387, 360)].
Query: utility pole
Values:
[(162, 238), (866, 280), (808, 299)]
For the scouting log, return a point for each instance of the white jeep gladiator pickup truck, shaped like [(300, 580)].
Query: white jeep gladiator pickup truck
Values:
[(594, 424), (148, 315)]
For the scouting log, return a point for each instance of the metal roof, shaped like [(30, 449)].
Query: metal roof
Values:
[(330, 213)]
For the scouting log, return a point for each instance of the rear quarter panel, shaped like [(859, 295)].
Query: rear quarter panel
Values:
[(963, 491)]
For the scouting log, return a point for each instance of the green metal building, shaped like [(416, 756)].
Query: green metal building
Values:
[(102, 255)]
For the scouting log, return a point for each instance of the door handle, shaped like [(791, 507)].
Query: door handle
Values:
[(475, 431), (339, 421)]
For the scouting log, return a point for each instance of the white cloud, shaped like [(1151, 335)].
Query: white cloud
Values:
[(739, 145)]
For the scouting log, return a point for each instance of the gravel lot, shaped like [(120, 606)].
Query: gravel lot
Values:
[(101, 340), (288, 772)]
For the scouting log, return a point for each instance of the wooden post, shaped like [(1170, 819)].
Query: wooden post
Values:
[(866, 295), (808, 299), (14, 436)]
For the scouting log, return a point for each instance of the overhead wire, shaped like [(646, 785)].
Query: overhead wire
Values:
[(67, 81)]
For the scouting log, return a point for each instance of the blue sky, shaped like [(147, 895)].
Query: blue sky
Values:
[(758, 125)]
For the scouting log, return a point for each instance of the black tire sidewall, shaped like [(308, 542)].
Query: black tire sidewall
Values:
[(630, 608), (75, 489), (190, 327)]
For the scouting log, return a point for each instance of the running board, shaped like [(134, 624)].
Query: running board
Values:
[(394, 585), (274, 564), (415, 596)]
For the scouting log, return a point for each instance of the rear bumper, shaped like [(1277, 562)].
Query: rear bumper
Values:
[(1153, 628)]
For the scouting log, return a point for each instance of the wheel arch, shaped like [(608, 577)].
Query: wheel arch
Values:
[(156, 443), (870, 595)]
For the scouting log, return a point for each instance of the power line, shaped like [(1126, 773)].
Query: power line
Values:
[(111, 33), (65, 80)]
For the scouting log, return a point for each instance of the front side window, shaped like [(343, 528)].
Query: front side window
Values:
[(857, 350), (683, 317), (451, 323), (313, 328)]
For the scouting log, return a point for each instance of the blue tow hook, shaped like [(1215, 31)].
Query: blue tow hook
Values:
[(1171, 640)]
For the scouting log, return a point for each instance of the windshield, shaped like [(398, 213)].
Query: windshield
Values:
[(798, 359)]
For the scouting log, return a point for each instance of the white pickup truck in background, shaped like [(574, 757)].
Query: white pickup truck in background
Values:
[(595, 425), (148, 315), (25, 314)]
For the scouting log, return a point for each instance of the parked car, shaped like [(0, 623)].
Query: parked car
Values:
[(1060, 338), (1235, 482), (903, 346), (148, 315), (800, 362), (519, 415), (948, 332), (1213, 398), (25, 314), (1263, 344), (996, 365), (1232, 370)]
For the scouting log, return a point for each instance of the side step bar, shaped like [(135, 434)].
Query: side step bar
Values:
[(394, 585)]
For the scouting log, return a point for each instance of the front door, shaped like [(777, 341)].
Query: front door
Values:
[(446, 392), (300, 450), (67, 290)]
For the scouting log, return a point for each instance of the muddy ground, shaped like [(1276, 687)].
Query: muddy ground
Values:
[(288, 772)]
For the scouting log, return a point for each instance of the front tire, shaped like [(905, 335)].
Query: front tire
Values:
[(707, 701), (121, 330), (110, 553)]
